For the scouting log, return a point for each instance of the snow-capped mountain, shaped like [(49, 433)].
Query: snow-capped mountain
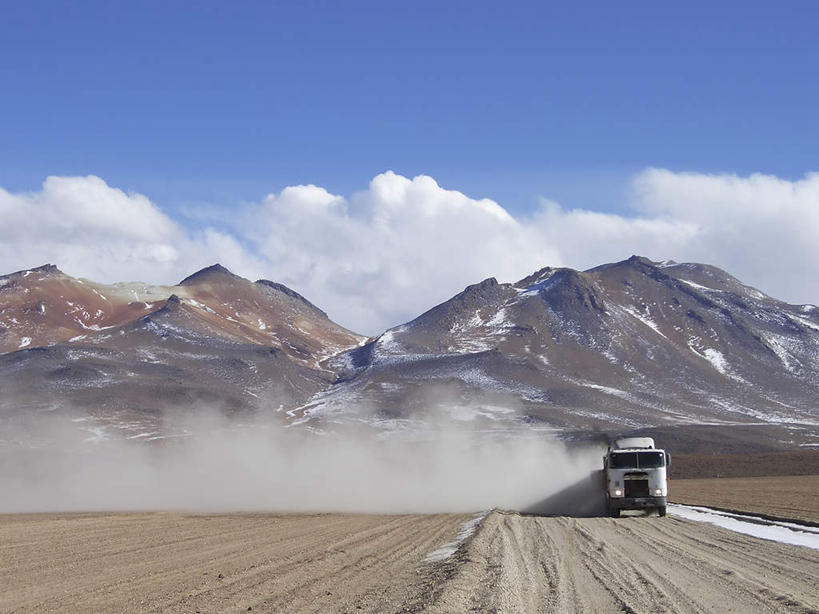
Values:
[(124, 355), (622, 345), (43, 306), (626, 345)]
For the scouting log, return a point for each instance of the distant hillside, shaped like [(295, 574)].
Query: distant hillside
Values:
[(124, 355), (630, 345), (621, 346)]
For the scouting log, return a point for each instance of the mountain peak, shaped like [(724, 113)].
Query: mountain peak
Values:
[(640, 260), (211, 273), (46, 268), (535, 277), (489, 282), (289, 292), (633, 261)]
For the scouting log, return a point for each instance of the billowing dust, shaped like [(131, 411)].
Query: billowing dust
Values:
[(262, 465)]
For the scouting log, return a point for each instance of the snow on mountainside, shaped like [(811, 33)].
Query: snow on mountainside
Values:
[(44, 306), (621, 346), (124, 355), (624, 345)]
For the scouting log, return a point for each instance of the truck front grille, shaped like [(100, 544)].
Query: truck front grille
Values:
[(635, 485)]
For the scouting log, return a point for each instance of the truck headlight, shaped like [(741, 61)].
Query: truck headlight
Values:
[(618, 492), (658, 492)]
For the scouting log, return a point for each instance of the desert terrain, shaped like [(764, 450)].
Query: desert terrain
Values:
[(175, 562), (220, 393), (782, 485), (783, 497), (181, 562)]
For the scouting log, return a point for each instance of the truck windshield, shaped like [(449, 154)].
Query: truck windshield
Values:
[(636, 460)]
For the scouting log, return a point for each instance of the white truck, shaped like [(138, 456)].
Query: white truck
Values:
[(635, 476)]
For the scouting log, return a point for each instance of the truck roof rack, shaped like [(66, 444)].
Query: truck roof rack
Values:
[(632, 443)]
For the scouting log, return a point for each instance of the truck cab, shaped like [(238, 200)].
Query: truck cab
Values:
[(636, 476)]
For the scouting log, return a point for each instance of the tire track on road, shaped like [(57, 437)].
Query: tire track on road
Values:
[(634, 564)]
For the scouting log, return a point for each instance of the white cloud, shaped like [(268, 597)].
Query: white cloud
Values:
[(391, 251), (91, 229), (384, 255), (762, 229)]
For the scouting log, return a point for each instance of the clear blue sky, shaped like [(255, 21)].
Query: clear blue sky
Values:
[(226, 101)]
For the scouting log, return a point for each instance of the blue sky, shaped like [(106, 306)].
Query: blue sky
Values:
[(224, 102), (176, 133)]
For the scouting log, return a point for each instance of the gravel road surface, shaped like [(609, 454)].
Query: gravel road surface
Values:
[(171, 562), (633, 565)]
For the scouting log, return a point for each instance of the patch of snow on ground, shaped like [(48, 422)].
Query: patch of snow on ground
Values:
[(465, 530), (755, 293), (475, 321), (713, 356), (808, 308), (500, 319), (716, 358), (541, 284), (93, 326), (471, 346), (698, 286), (464, 341), (645, 320), (806, 323), (77, 338), (783, 532), (616, 392), (262, 325), (4, 281), (781, 352), (24, 342), (764, 417), (387, 342)]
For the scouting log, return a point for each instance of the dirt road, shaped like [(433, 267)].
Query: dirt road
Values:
[(634, 564), (347, 563)]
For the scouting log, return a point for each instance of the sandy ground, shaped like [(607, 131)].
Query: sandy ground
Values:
[(345, 563), (759, 464), (635, 565), (214, 563), (787, 497)]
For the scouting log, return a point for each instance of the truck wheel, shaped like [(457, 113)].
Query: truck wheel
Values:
[(615, 512), (661, 510)]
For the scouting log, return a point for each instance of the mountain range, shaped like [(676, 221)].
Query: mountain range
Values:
[(624, 346)]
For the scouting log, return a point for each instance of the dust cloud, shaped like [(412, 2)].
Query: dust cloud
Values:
[(261, 465)]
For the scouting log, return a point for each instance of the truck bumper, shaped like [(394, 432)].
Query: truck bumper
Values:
[(637, 503)]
